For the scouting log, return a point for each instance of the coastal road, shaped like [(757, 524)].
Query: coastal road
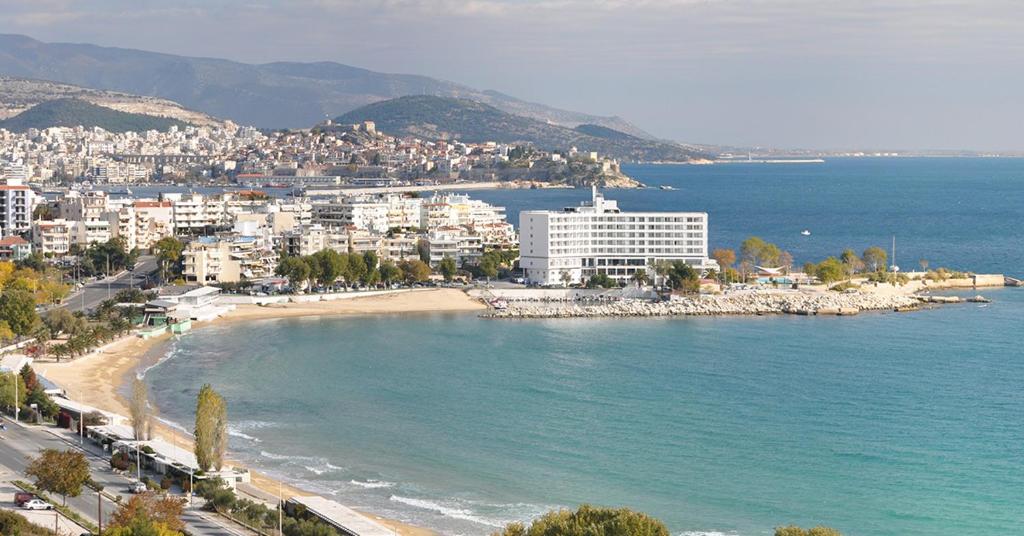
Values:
[(95, 292), (21, 443)]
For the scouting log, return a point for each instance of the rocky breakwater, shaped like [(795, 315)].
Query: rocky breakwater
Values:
[(712, 305)]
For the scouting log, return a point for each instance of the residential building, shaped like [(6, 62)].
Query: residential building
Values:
[(16, 204), (14, 248), (52, 237), (597, 237)]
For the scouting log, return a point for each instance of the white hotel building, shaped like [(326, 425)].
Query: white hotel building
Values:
[(597, 237)]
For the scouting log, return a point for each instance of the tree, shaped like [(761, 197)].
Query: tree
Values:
[(356, 270), (589, 521), (640, 277), (415, 271), (423, 250), (724, 257), (875, 257), (566, 278), (168, 253), (830, 270), (60, 472), (211, 429), (61, 321), (15, 524), (152, 508), (141, 527), (488, 266), (683, 277), (758, 252), (448, 268), (600, 280), (851, 261), (18, 309), (139, 409), (924, 264), (389, 273), (331, 263), (7, 387), (296, 269)]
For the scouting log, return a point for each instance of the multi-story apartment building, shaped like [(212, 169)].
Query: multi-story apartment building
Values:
[(227, 259), (16, 204), (597, 237), (52, 237), (195, 213), (14, 248), (456, 243), (153, 221)]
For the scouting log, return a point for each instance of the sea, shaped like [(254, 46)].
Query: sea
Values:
[(878, 424)]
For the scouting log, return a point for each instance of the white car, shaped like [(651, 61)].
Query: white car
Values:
[(37, 504), (137, 487)]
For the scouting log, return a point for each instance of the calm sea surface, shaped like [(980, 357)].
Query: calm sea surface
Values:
[(879, 424)]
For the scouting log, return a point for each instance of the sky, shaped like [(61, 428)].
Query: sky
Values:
[(821, 74)]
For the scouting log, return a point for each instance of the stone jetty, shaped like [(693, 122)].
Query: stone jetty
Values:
[(753, 303)]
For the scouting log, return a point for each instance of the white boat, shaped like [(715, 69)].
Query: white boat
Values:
[(805, 232), (666, 187)]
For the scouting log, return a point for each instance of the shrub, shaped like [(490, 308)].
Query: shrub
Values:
[(119, 461), (166, 483), (147, 449)]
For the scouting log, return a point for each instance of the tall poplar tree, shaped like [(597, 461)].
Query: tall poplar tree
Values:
[(211, 436)]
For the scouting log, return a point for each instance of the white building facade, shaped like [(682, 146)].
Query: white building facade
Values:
[(574, 244)]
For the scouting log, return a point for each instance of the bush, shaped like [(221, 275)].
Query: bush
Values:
[(15, 523), (119, 461), (166, 483), (147, 449)]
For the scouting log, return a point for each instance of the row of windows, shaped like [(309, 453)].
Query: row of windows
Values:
[(628, 219)]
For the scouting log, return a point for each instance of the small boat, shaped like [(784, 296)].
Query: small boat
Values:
[(666, 187), (805, 232)]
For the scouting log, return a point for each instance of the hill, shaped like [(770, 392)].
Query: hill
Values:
[(20, 94), (76, 112), (272, 95), (430, 117)]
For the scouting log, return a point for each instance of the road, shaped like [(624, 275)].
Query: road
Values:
[(97, 291), (19, 444)]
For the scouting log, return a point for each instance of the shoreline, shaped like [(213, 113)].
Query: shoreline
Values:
[(97, 379)]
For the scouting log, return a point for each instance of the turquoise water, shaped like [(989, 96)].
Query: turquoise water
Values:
[(909, 424)]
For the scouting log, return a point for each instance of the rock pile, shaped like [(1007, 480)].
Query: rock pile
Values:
[(708, 305)]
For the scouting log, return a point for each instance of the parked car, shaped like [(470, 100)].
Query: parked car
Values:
[(137, 487), (22, 497), (37, 504)]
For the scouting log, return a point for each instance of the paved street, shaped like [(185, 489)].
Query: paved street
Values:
[(19, 444), (99, 290)]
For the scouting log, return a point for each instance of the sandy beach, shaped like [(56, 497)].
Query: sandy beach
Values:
[(96, 379)]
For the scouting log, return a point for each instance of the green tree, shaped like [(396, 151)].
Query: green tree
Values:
[(589, 521), (389, 272), (296, 269), (15, 524), (9, 381), (371, 261), (851, 261), (357, 270), (683, 277), (415, 271), (601, 280), (830, 270), (488, 266), (332, 265), (640, 277), (875, 258), (211, 429), (169, 254), (448, 268), (18, 309), (60, 472)]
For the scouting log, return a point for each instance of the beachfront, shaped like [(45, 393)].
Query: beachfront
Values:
[(98, 379)]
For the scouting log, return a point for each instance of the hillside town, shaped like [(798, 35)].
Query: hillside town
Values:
[(327, 155)]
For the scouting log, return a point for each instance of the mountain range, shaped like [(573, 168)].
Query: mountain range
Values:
[(270, 95), (446, 118)]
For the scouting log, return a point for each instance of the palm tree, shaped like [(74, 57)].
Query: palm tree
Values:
[(640, 278), (566, 278)]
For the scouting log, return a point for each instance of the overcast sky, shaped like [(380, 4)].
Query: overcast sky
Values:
[(785, 73)]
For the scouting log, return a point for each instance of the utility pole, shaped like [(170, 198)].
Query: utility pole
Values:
[(14, 377), (99, 511)]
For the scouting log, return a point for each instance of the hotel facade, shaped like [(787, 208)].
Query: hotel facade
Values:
[(596, 237)]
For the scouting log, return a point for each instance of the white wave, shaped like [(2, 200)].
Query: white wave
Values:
[(314, 470), (254, 425), (169, 354), (273, 456), (372, 484), (232, 431), (706, 533), (448, 511)]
